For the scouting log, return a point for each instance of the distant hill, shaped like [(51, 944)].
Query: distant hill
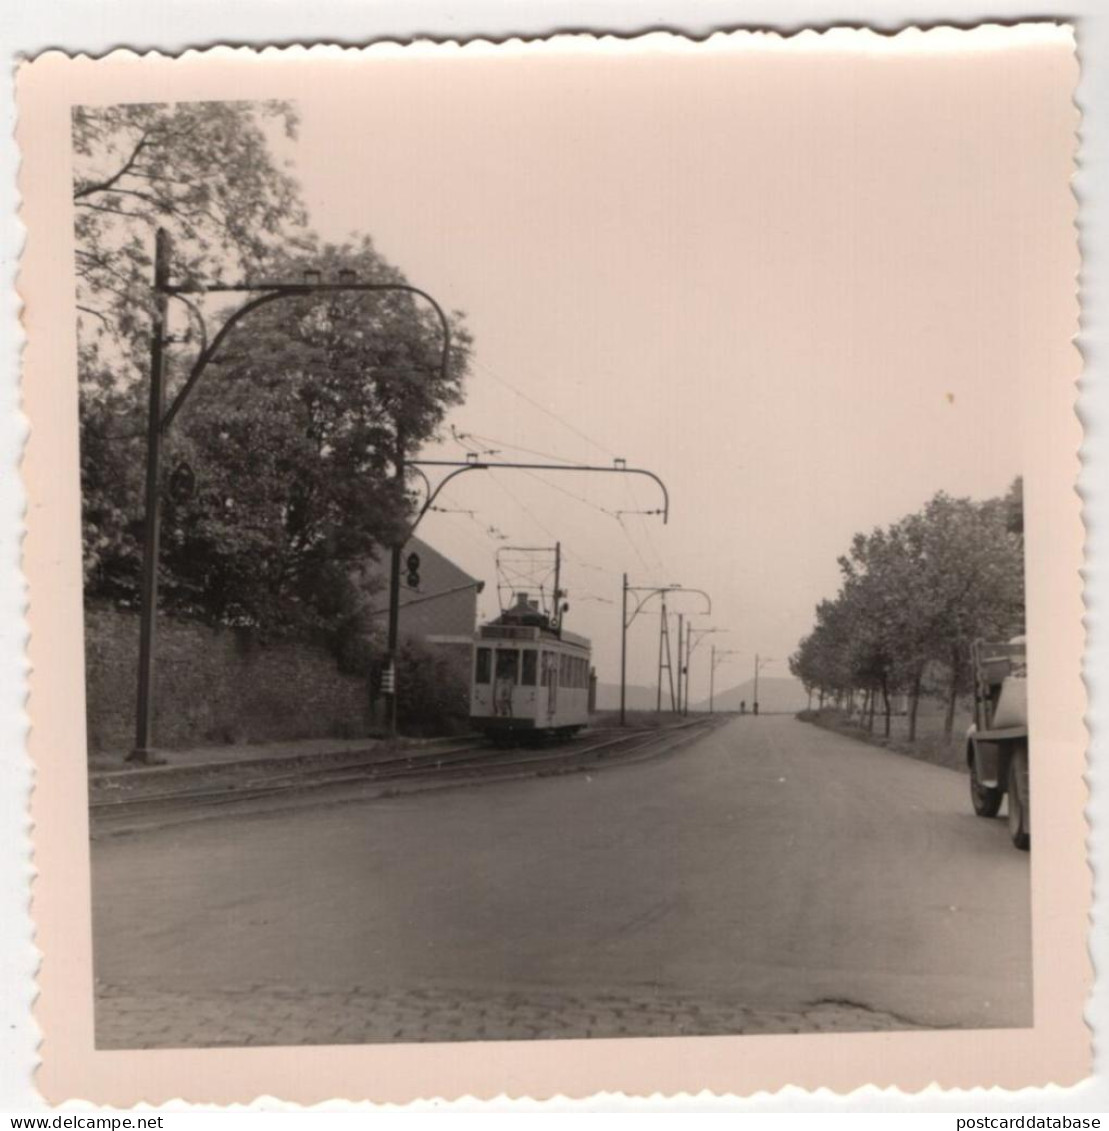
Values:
[(638, 698), (777, 695)]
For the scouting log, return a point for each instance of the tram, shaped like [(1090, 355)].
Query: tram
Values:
[(531, 678)]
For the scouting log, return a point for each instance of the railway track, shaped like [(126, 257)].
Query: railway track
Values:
[(367, 778)]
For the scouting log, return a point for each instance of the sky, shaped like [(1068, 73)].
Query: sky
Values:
[(789, 277)]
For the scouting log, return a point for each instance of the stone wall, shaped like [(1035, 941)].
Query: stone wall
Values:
[(215, 686)]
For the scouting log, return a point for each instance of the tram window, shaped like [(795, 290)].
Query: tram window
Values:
[(508, 664), (527, 678), (481, 670)]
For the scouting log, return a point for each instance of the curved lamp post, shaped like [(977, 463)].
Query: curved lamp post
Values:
[(160, 419), (626, 623)]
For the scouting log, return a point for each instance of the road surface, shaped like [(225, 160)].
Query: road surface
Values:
[(773, 877)]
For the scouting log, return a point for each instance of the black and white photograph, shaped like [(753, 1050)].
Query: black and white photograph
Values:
[(554, 558)]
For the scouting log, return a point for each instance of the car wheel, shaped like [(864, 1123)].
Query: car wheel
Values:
[(986, 800), (1018, 799)]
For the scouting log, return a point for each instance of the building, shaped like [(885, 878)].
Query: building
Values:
[(440, 610)]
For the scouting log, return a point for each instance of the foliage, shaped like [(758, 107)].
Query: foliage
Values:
[(913, 598), (433, 698), (203, 171), (293, 440), (292, 435)]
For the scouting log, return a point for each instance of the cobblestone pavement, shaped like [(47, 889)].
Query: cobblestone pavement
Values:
[(272, 1015)]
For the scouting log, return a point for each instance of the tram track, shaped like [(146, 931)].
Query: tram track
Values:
[(366, 779)]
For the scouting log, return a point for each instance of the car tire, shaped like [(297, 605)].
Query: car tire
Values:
[(1018, 799), (986, 800)]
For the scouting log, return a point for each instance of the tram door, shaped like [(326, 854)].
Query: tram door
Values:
[(550, 682)]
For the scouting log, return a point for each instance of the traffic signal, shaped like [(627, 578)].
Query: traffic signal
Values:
[(412, 565)]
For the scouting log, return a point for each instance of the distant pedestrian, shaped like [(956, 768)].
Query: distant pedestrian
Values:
[(755, 708), (743, 706)]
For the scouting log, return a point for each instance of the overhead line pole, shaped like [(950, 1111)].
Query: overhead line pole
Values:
[(619, 467), (161, 419), (693, 637), (148, 600), (717, 659), (661, 641), (390, 685), (626, 623), (681, 660), (624, 652)]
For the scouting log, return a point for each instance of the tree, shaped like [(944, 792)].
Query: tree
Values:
[(433, 696), (202, 170), (291, 439), (914, 596), (973, 557), (205, 172)]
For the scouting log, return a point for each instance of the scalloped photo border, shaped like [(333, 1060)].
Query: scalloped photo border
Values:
[(1056, 1050)]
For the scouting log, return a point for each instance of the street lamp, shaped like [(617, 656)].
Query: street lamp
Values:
[(160, 419), (626, 623)]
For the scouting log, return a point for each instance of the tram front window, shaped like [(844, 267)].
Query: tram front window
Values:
[(508, 664), (507, 674)]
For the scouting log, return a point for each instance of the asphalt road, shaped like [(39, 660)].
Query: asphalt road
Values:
[(772, 865)]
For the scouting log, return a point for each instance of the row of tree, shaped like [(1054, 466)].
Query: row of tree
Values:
[(281, 468), (913, 598)]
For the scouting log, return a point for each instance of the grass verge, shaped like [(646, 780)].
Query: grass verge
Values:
[(930, 744)]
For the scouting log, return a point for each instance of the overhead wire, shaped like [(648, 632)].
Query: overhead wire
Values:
[(569, 494), (659, 563), (518, 448), (546, 411), (530, 514)]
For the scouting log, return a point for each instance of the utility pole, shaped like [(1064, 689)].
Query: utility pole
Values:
[(759, 664), (718, 658), (664, 658), (681, 656), (161, 420), (557, 591), (624, 652), (693, 637), (163, 249), (389, 682), (626, 623), (669, 662), (689, 657)]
